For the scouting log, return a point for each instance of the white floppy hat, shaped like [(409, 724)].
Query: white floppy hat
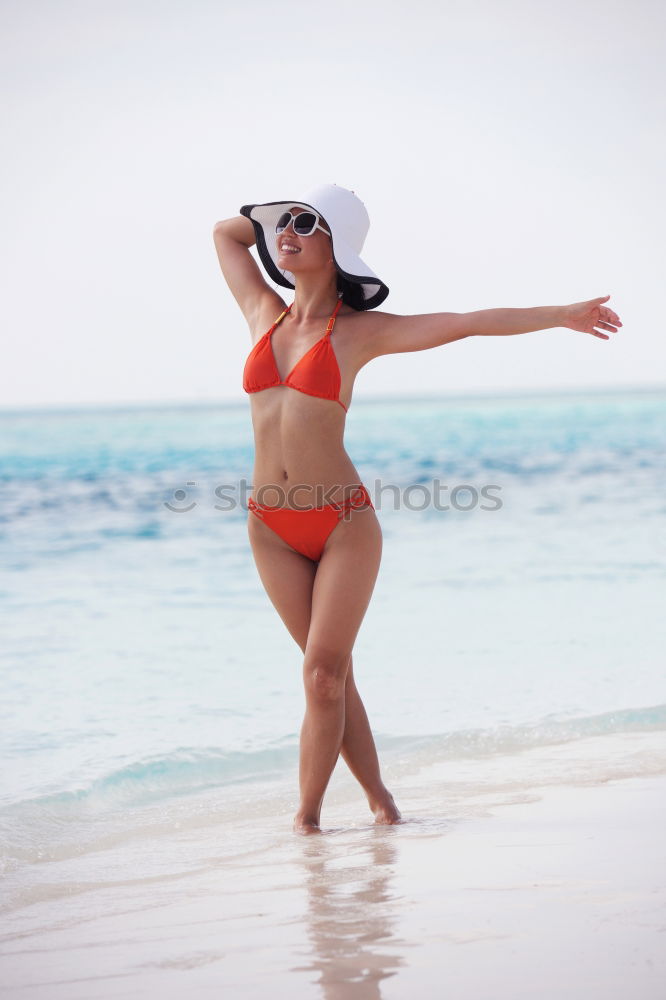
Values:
[(348, 222)]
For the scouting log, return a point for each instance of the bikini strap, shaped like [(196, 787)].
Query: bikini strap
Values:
[(359, 500), (280, 318), (331, 322)]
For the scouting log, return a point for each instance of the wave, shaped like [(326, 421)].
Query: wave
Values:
[(192, 789), (186, 771), (548, 731), (163, 776)]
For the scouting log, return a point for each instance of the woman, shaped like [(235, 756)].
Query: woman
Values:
[(313, 530)]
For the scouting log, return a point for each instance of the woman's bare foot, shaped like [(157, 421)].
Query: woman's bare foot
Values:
[(385, 810), (306, 825)]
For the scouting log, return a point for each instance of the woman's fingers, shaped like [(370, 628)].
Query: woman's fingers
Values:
[(585, 316), (610, 317), (604, 312)]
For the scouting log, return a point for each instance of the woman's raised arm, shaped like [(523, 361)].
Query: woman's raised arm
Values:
[(233, 238)]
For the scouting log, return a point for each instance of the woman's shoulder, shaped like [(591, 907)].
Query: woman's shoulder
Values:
[(362, 317)]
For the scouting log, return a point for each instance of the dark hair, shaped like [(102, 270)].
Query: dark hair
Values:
[(352, 293)]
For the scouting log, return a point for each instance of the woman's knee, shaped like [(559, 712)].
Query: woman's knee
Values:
[(325, 673)]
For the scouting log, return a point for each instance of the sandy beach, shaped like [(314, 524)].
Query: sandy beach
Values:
[(561, 896)]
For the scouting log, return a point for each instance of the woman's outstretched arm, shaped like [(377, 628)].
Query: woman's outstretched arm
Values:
[(392, 334), (581, 316)]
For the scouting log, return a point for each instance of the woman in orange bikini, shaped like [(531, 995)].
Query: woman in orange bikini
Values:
[(313, 530)]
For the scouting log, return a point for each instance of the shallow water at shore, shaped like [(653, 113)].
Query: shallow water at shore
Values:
[(152, 698)]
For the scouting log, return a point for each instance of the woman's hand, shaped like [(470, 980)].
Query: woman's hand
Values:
[(585, 316)]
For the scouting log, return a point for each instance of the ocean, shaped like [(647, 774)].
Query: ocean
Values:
[(151, 698)]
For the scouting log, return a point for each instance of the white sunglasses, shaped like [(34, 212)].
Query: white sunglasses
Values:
[(305, 223)]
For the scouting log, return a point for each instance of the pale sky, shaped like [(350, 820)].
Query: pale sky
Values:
[(509, 154)]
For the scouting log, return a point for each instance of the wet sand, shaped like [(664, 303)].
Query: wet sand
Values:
[(562, 896)]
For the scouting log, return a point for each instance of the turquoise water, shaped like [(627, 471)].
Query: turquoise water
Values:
[(147, 676)]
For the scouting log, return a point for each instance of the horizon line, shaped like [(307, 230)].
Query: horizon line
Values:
[(227, 402)]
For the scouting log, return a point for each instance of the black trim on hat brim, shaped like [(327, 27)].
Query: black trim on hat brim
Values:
[(262, 249), (280, 279), (373, 301)]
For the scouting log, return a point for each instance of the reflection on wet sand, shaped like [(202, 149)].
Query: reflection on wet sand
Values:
[(351, 914)]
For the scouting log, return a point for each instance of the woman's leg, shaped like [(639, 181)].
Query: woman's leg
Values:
[(360, 754), (342, 590), (288, 578)]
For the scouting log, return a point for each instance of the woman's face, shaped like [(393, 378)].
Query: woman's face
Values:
[(300, 254)]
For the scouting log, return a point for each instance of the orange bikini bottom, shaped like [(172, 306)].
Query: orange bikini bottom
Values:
[(307, 531)]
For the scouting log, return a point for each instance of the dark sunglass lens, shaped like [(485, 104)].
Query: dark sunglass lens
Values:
[(282, 222), (304, 223)]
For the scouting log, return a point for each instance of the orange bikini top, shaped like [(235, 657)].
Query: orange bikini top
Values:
[(316, 374)]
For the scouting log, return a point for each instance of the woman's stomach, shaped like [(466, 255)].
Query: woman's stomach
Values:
[(301, 478), (300, 459)]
